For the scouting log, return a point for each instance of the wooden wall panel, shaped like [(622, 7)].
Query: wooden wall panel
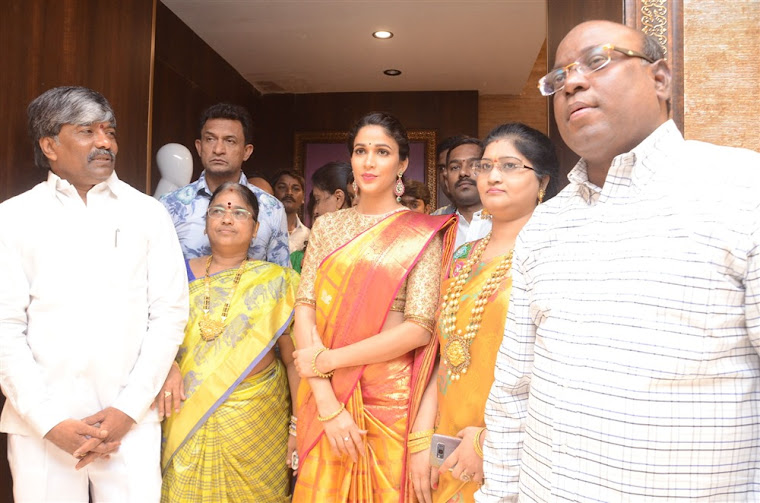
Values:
[(528, 107), (563, 15), (189, 77), (721, 68), (102, 45)]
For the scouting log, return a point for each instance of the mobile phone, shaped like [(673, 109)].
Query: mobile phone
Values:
[(441, 447)]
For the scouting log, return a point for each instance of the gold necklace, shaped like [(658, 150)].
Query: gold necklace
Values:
[(456, 352), (211, 329)]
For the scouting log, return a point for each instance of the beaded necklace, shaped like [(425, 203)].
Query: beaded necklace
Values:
[(456, 352), (211, 329)]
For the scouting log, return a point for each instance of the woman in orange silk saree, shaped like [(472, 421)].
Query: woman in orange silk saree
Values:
[(364, 318)]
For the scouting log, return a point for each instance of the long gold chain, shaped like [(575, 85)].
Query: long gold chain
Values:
[(210, 328), (456, 352)]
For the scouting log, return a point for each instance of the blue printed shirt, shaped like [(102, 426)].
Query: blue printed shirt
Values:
[(187, 207)]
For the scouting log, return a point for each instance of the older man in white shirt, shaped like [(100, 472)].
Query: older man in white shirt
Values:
[(92, 310)]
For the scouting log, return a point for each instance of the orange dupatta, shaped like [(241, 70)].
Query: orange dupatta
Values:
[(369, 270)]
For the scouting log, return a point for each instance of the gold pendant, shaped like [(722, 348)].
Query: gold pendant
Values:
[(210, 329), (457, 353)]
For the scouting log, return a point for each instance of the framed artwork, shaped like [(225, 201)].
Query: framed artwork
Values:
[(315, 149)]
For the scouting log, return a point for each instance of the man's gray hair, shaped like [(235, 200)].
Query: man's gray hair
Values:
[(64, 105), (652, 48)]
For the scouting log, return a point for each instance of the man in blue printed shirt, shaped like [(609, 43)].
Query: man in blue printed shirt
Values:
[(225, 143)]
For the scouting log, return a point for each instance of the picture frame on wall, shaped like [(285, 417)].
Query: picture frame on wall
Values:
[(315, 149)]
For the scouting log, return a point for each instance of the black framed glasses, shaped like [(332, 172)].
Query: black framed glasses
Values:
[(218, 212), (506, 165), (592, 60)]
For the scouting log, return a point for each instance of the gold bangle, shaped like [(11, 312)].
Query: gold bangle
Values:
[(419, 446), (333, 415), (314, 368), (174, 362), (476, 442), (421, 434)]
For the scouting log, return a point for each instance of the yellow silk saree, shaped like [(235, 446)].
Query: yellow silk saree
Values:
[(462, 403), (355, 287), (229, 440)]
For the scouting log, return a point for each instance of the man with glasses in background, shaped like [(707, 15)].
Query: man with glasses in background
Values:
[(463, 156), (629, 367)]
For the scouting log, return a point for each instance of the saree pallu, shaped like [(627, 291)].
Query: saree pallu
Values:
[(462, 403), (226, 407), (355, 287)]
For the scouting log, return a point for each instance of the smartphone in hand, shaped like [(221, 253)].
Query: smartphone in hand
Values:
[(441, 447)]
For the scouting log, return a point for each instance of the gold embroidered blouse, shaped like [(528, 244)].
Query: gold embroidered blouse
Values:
[(418, 296)]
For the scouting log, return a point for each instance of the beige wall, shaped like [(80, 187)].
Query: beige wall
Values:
[(528, 107), (721, 71)]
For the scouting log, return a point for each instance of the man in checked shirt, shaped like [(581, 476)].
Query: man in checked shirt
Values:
[(629, 368)]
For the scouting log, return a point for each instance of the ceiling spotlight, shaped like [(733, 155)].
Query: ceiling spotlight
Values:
[(392, 72), (382, 34)]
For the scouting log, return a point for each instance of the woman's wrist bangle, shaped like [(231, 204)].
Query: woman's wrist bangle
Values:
[(333, 415), (419, 445), (175, 364), (314, 368), (292, 426), (421, 434), (476, 442)]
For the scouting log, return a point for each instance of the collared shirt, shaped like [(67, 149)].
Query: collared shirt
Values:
[(93, 305), (298, 236), (475, 229), (629, 367), (187, 207)]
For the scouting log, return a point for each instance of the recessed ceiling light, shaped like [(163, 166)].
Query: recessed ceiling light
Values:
[(382, 34), (392, 72)]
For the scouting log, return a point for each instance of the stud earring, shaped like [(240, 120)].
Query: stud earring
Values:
[(541, 194), (399, 189)]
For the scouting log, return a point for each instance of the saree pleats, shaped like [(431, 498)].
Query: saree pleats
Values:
[(462, 403), (231, 423), (355, 287), (235, 456)]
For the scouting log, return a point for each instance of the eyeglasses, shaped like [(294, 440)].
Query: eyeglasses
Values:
[(457, 165), (506, 165), (590, 61), (238, 214)]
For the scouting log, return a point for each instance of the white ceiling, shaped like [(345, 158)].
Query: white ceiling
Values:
[(316, 46)]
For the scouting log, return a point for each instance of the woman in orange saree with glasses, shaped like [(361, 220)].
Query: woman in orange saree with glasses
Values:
[(363, 326), (518, 170)]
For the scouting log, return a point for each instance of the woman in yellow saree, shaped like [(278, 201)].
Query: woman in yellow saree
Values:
[(363, 324), (513, 176), (229, 441)]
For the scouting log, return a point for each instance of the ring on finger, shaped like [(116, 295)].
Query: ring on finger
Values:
[(347, 438), (465, 477), (167, 394)]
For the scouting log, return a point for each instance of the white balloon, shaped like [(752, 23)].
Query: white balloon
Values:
[(175, 163)]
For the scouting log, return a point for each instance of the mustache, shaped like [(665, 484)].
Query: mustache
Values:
[(464, 181), (101, 151), (289, 198)]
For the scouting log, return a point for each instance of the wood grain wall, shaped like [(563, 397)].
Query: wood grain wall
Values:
[(721, 70), (528, 107), (74, 42)]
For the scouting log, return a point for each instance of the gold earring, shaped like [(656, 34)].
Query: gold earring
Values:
[(399, 189), (541, 194)]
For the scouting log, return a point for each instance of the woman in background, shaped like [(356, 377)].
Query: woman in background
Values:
[(517, 172), (364, 319), (330, 190)]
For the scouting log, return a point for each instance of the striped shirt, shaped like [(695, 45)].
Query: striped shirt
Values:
[(629, 366)]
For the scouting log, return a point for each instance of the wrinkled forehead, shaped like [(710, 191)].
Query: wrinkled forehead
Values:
[(593, 33)]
